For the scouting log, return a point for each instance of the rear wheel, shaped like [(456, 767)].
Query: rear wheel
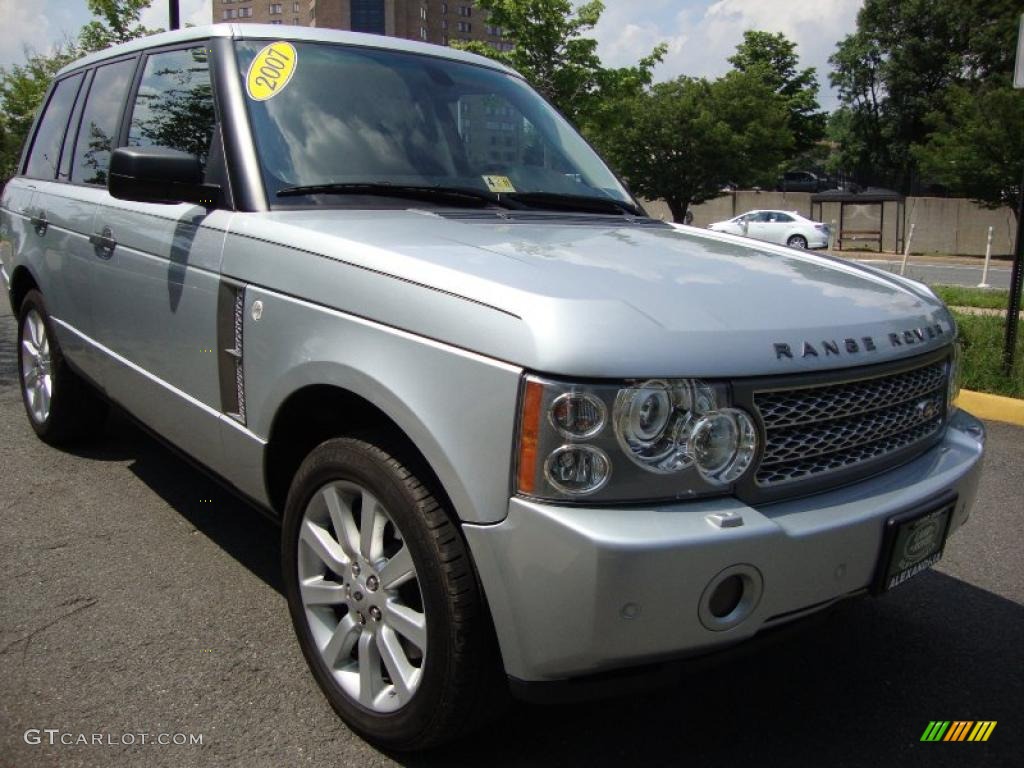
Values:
[(797, 241), (61, 407), (384, 599)]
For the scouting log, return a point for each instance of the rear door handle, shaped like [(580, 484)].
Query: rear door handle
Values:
[(104, 243), (39, 223)]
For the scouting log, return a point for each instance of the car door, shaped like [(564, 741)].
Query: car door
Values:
[(57, 248), (778, 227), (737, 226), (156, 286), (757, 225)]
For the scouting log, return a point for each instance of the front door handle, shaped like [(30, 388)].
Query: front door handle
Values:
[(104, 243), (39, 223)]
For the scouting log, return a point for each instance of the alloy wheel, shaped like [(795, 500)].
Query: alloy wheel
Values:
[(361, 597), (36, 367)]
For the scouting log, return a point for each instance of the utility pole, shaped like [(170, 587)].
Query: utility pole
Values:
[(1017, 276), (175, 16)]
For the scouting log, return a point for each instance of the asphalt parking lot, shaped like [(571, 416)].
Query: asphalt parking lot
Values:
[(137, 596), (947, 272)]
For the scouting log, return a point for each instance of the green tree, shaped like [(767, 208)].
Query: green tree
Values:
[(897, 66), (23, 86), (773, 57), (116, 21), (686, 138), (977, 143), (551, 50)]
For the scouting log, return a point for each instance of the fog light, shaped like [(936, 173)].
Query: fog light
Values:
[(577, 470), (726, 596), (730, 597)]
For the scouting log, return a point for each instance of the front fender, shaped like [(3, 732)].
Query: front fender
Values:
[(457, 407)]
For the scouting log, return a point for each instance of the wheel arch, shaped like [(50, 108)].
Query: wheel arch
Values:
[(341, 412), (317, 412), (22, 281)]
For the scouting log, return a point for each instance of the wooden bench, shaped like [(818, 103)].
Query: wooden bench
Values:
[(860, 234)]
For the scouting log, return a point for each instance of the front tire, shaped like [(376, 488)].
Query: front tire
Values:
[(797, 241), (61, 407), (384, 599)]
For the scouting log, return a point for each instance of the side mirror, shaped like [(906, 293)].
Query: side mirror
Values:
[(159, 175)]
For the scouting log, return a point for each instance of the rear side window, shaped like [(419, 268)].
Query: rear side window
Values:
[(44, 158), (101, 120), (174, 107)]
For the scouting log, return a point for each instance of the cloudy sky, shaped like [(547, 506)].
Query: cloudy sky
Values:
[(701, 34)]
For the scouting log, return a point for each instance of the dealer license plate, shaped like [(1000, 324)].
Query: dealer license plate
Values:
[(912, 544)]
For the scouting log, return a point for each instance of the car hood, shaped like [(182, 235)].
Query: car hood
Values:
[(600, 296)]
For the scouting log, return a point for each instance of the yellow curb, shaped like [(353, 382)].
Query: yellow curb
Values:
[(994, 407)]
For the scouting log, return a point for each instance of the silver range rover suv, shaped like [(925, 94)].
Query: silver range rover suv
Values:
[(518, 435)]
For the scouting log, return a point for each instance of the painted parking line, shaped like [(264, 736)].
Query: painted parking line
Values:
[(930, 265)]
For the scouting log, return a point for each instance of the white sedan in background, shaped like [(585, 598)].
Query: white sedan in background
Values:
[(784, 227)]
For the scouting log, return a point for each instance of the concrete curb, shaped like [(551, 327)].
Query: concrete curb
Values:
[(985, 312), (993, 407)]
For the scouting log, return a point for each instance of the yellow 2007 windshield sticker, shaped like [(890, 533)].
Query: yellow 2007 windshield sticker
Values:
[(499, 184), (270, 71)]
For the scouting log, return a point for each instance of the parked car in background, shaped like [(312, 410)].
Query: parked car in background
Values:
[(785, 227), (803, 181)]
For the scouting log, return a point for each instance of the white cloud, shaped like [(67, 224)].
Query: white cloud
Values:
[(40, 25), (701, 36), (25, 27)]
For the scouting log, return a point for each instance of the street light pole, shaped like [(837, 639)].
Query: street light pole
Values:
[(175, 16)]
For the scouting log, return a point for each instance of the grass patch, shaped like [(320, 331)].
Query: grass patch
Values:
[(960, 296), (982, 363)]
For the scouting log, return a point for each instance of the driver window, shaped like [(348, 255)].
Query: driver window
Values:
[(174, 106)]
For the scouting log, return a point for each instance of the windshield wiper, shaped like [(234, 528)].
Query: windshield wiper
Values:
[(469, 196), (454, 195), (583, 203)]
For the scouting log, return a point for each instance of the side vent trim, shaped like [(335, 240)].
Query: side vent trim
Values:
[(230, 322)]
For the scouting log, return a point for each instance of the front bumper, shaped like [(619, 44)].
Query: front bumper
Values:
[(576, 591)]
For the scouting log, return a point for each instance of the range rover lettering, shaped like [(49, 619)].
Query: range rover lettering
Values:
[(517, 434)]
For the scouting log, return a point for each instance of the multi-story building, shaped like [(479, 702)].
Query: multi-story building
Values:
[(432, 21)]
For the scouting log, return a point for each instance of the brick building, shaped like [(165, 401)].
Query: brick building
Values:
[(431, 21)]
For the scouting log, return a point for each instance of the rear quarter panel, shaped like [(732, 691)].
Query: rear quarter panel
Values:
[(15, 230)]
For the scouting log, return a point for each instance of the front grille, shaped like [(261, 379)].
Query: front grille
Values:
[(811, 432)]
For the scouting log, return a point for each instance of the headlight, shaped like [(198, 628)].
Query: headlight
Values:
[(577, 470), (631, 441), (653, 421), (723, 444)]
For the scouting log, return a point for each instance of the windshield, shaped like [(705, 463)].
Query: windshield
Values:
[(328, 115)]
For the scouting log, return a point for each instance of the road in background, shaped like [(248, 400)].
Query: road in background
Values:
[(944, 273), (137, 596)]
